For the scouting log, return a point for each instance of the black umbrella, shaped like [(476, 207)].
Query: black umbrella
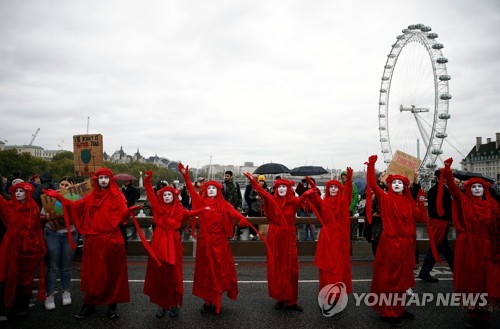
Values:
[(271, 168), (308, 171), (466, 175)]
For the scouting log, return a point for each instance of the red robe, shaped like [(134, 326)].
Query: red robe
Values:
[(282, 260), (395, 258), (333, 257), (476, 270), (97, 216), (214, 271), (22, 247), (164, 284)]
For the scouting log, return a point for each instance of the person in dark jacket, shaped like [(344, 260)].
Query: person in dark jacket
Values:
[(439, 226)]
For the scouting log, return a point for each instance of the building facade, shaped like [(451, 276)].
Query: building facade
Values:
[(484, 158)]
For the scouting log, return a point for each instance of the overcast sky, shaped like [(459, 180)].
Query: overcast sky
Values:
[(293, 82)]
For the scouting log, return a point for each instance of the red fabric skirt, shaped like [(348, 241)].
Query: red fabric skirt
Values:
[(214, 271), (104, 272)]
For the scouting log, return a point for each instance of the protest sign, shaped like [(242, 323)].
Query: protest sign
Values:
[(88, 154)]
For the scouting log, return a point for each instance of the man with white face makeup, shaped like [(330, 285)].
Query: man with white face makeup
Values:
[(394, 261), (282, 267), (214, 271), (477, 246), (97, 216), (163, 283), (20, 258)]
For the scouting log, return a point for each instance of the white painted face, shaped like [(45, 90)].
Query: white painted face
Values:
[(477, 190), (168, 197), (282, 190), (211, 191), (103, 181), (20, 194), (334, 190), (397, 186)]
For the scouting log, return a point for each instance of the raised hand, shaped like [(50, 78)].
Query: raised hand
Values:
[(243, 223), (349, 173), (148, 173), (52, 194), (310, 182), (372, 159), (448, 162), (182, 169), (134, 208)]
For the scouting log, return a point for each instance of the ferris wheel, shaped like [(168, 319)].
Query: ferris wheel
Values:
[(414, 97)]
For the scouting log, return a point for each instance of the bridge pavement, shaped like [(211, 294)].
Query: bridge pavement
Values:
[(253, 308)]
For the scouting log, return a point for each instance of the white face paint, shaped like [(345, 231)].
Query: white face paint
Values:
[(477, 190), (103, 181), (168, 197), (334, 190), (282, 190), (20, 194), (397, 186), (211, 191)]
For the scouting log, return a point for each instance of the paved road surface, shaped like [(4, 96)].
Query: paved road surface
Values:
[(253, 308)]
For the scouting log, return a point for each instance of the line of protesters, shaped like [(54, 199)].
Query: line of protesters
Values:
[(104, 279)]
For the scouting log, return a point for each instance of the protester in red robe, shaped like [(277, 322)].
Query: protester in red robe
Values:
[(477, 257), (163, 283), (97, 216), (333, 251), (214, 271), (395, 259), (282, 260), (21, 251)]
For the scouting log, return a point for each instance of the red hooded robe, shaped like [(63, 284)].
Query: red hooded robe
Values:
[(333, 257), (97, 216), (214, 271), (283, 263), (395, 258), (23, 246), (477, 266), (164, 284)]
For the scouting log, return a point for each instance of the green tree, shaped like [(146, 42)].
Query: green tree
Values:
[(11, 161)]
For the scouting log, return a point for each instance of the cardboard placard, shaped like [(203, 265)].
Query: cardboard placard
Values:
[(53, 208), (88, 154), (402, 164)]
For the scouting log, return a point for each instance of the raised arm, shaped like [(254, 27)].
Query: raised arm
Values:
[(450, 181), (371, 177), (187, 181), (256, 186), (148, 186), (349, 187)]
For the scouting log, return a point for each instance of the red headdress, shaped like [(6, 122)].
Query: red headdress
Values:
[(29, 203), (288, 183), (175, 203), (402, 178), (486, 186)]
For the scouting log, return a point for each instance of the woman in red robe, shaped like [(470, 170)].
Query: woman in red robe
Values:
[(214, 271), (21, 251), (477, 261), (282, 260), (163, 283), (395, 258), (333, 257), (97, 216)]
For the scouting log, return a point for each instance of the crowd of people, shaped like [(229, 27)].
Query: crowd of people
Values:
[(34, 241)]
